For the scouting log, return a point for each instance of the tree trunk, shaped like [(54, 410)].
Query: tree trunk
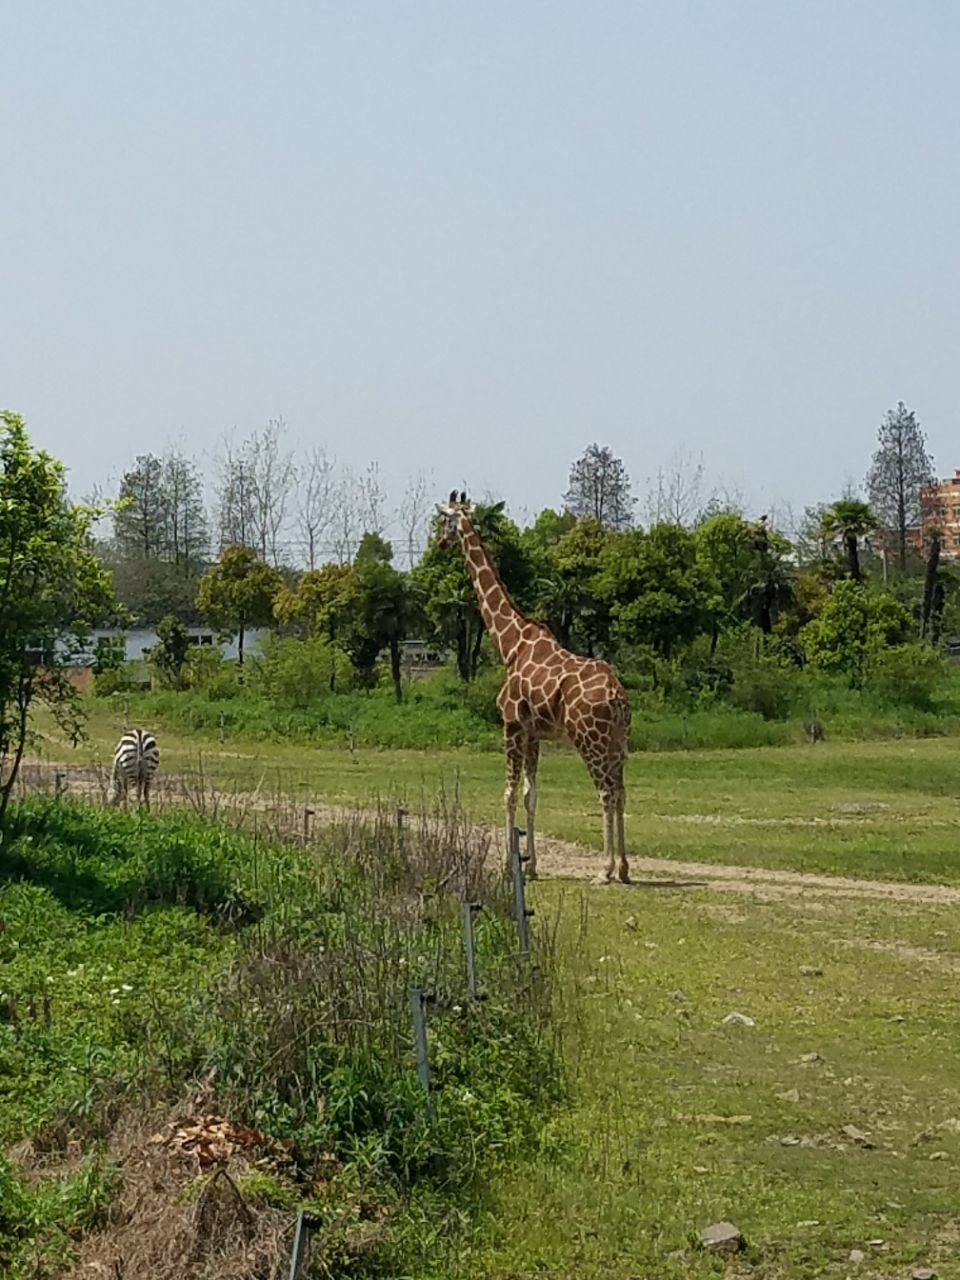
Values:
[(331, 634), (936, 615), (714, 638), (475, 655), (24, 693), (395, 667), (240, 651), (463, 648), (853, 556), (929, 585)]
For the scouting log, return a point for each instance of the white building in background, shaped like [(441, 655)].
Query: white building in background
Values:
[(138, 640)]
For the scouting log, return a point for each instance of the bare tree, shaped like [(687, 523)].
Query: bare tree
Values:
[(235, 513), (371, 500), (274, 476), (255, 482), (413, 514), (678, 494), (315, 502), (346, 516)]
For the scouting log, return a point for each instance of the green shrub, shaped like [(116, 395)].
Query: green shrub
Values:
[(207, 671), (767, 685), (906, 675), (480, 695), (299, 673)]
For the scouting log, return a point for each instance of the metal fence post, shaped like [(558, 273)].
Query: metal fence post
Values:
[(469, 910), (519, 896), (402, 812), (222, 722), (418, 1002), (307, 1223), (307, 815), (58, 784)]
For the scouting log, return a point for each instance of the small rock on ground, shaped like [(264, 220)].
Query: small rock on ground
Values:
[(722, 1237), (923, 1273), (811, 971), (741, 1019), (857, 1256)]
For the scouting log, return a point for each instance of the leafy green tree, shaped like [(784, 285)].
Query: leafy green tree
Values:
[(658, 592), (237, 593), (600, 488), (170, 652), (52, 590), (853, 626), (848, 521), (901, 467), (384, 612), (573, 605), (323, 604)]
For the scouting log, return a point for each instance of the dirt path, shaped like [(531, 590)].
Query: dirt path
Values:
[(556, 859)]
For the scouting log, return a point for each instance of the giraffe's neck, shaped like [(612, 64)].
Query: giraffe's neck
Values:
[(500, 615)]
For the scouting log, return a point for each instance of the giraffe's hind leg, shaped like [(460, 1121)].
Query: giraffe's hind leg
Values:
[(513, 747)]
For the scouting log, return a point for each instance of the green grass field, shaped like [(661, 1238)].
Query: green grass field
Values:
[(887, 809), (676, 1119), (681, 1121)]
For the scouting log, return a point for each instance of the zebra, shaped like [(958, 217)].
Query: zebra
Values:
[(135, 762)]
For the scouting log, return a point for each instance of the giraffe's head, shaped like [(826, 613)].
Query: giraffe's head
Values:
[(453, 513)]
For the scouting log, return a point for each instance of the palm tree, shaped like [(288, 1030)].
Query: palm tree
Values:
[(847, 521)]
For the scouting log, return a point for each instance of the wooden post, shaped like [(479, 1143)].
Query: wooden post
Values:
[(519, 896)]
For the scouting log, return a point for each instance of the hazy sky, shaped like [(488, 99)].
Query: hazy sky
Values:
[(474, 237)]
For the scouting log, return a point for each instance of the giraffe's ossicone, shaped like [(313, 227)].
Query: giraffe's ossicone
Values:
[(548, 692)]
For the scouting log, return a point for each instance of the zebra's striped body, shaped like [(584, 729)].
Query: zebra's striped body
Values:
[(135, 762)]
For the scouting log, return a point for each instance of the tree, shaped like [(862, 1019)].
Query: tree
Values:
[(413, 514), (574, 607), (657, 592), (900, 468), (847, 521), (315, 503), (255, 483), (854, 626), (600, 487), (169, 654), (52, 589), (384, 612), (931, 581), (140, 522), (187, 534), (238, 592), (322, 605)]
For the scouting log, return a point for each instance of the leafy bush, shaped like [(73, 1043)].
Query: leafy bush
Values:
[(210, 673), (766, 684), (299, 673), (906, 675), (128, 678), (480, 695)]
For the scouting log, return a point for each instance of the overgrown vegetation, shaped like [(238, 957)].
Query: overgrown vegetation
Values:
[(145, 957)]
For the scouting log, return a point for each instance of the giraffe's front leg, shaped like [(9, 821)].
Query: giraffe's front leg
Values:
[(513, 747), (531, 758)]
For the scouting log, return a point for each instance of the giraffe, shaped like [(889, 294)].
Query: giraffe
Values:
[(548, 692)]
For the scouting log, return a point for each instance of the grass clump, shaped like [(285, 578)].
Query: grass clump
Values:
[(145, 954)]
